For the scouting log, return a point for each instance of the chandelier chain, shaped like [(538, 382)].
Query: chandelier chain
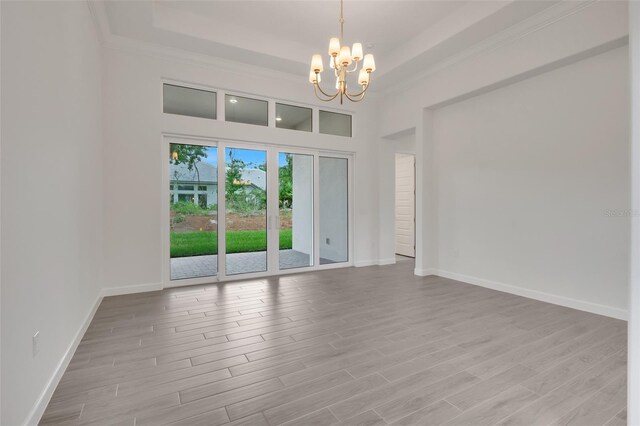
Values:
[(341, 21)]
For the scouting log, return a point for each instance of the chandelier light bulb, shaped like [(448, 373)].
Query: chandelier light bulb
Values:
[(363, 77), (312, 77), (333, 63)]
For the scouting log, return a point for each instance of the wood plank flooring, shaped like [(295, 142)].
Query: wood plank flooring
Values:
[(354, 346)]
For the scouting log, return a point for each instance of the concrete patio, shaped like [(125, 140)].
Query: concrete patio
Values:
[(237, 263)]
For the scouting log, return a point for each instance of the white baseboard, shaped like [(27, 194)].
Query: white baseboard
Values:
[(361, 263), (581, 305), (141, 288), (424, 272), (41, 404)]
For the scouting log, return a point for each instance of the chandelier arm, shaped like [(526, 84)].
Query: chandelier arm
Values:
[(361, 94), (317, 87), (352, 98), (355, 67)]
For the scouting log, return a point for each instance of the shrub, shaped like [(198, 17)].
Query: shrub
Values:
[(188, 208)]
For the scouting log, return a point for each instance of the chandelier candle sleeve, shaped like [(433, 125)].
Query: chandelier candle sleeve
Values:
[(316, 64), (334, 46), (345, 56), (341, 57), (369, 64), (356, 51)]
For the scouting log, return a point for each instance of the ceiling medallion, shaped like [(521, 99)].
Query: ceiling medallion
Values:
[(341, 57)]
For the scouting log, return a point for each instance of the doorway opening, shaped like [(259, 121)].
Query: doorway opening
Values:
[(405, 207)]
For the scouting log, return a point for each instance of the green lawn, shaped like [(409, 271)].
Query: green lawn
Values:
[(201, 243)]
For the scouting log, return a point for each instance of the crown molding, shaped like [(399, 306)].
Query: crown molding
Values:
[(522, 29), (115, 42), (99, 15)]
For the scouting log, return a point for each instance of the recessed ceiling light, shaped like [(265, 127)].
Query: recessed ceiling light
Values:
[(233, 101), (278, 118)]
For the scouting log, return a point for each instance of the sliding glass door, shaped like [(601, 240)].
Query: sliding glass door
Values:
[(295, 203), (245, 211), (334, 210), (240, 210), (193, 211)]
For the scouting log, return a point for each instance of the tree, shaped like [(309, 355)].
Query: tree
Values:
[(234, 185), (190, 155), (285, 176)]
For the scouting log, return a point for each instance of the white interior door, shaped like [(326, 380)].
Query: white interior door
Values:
[(405, 205)]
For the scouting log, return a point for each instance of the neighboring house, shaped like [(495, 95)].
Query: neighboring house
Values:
[(255, 178), (201, 186), (196, 186)]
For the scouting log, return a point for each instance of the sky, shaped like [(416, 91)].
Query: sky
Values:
[(253, 157)]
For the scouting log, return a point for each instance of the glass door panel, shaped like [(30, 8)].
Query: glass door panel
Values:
[(246, 211), (295, 202), (193, 198), (334, 210)]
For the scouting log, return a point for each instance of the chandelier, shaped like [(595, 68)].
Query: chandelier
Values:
[(341, 58)]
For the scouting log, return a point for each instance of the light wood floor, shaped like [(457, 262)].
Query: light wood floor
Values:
[(355, 346)]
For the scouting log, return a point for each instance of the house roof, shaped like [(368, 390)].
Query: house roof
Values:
[(209, 174), (257, 177), (180, 172)]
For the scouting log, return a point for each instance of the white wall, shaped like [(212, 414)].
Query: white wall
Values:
[(405, 144), (51, 192), (583, 31), (533, 183), (134, 123), (588, 31)]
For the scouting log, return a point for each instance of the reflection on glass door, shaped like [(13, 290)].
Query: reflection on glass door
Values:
[(246, 211), (334, 214), (295, 200), (193, 196)]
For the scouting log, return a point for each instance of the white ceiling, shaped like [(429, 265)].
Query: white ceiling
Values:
[(406, 37), (312, 23)]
